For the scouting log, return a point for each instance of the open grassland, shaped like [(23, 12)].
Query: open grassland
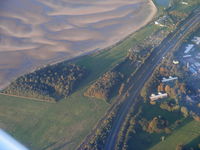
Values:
[(183, 135), (63, 125), (40, 124)]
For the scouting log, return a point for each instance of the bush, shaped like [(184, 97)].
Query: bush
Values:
[(185, 112), (104, 87), (180, 147)]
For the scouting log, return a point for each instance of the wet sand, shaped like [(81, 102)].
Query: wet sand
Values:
[(37, 32)]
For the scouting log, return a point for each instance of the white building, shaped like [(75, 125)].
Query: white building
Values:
[(154, 97), (169, 79), (159, 24), (188, 48), (176, 62), (184, 3), (196, 40), (161, 21)]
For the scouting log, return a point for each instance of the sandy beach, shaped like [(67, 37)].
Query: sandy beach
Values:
[(38, 32)]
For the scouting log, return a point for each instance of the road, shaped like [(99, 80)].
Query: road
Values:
[(145, 71)]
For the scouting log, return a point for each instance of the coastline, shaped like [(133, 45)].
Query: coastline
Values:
[(67, 59)]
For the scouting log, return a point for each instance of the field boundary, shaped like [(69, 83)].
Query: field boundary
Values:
[(30, 98)]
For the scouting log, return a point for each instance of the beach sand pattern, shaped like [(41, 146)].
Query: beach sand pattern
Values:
[(38, 32)]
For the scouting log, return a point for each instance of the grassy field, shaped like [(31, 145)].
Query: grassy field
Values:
[(40, 124), (183, 135), (64, 125)]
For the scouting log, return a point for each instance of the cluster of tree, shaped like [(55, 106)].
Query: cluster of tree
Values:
[(167, 68), (136, 53), (175, 91), (149, 86), (170, 106), (156, 125), (180, 147), (103, 88), (184, 111), (99, 139), (50, 83), (142, 51), (195, 116), (184, 147), (129, 127), (177, 16)]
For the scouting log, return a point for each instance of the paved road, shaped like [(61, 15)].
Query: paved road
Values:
[(145, 71)]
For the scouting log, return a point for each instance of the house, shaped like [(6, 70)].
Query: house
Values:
[(154, 97)]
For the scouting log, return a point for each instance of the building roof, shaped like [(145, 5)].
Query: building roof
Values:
[(188, 48), (196, 40), (169, 79)]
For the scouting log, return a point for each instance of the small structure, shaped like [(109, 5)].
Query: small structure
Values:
[(188, 48), (159, 24), (162, 138), (196, 40), (154, 97), (184, 3), (176, 62), (169, 79), (161, 21), (187, 56)]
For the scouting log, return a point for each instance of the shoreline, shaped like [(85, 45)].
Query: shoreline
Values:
[(67, 60)]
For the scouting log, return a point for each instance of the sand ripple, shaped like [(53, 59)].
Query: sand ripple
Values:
[(36, 32)]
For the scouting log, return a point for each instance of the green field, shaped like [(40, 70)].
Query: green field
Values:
[(183, 135), (41, 125)]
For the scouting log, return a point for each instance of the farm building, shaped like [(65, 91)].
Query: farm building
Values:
[(169, 79), (154, 97)]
